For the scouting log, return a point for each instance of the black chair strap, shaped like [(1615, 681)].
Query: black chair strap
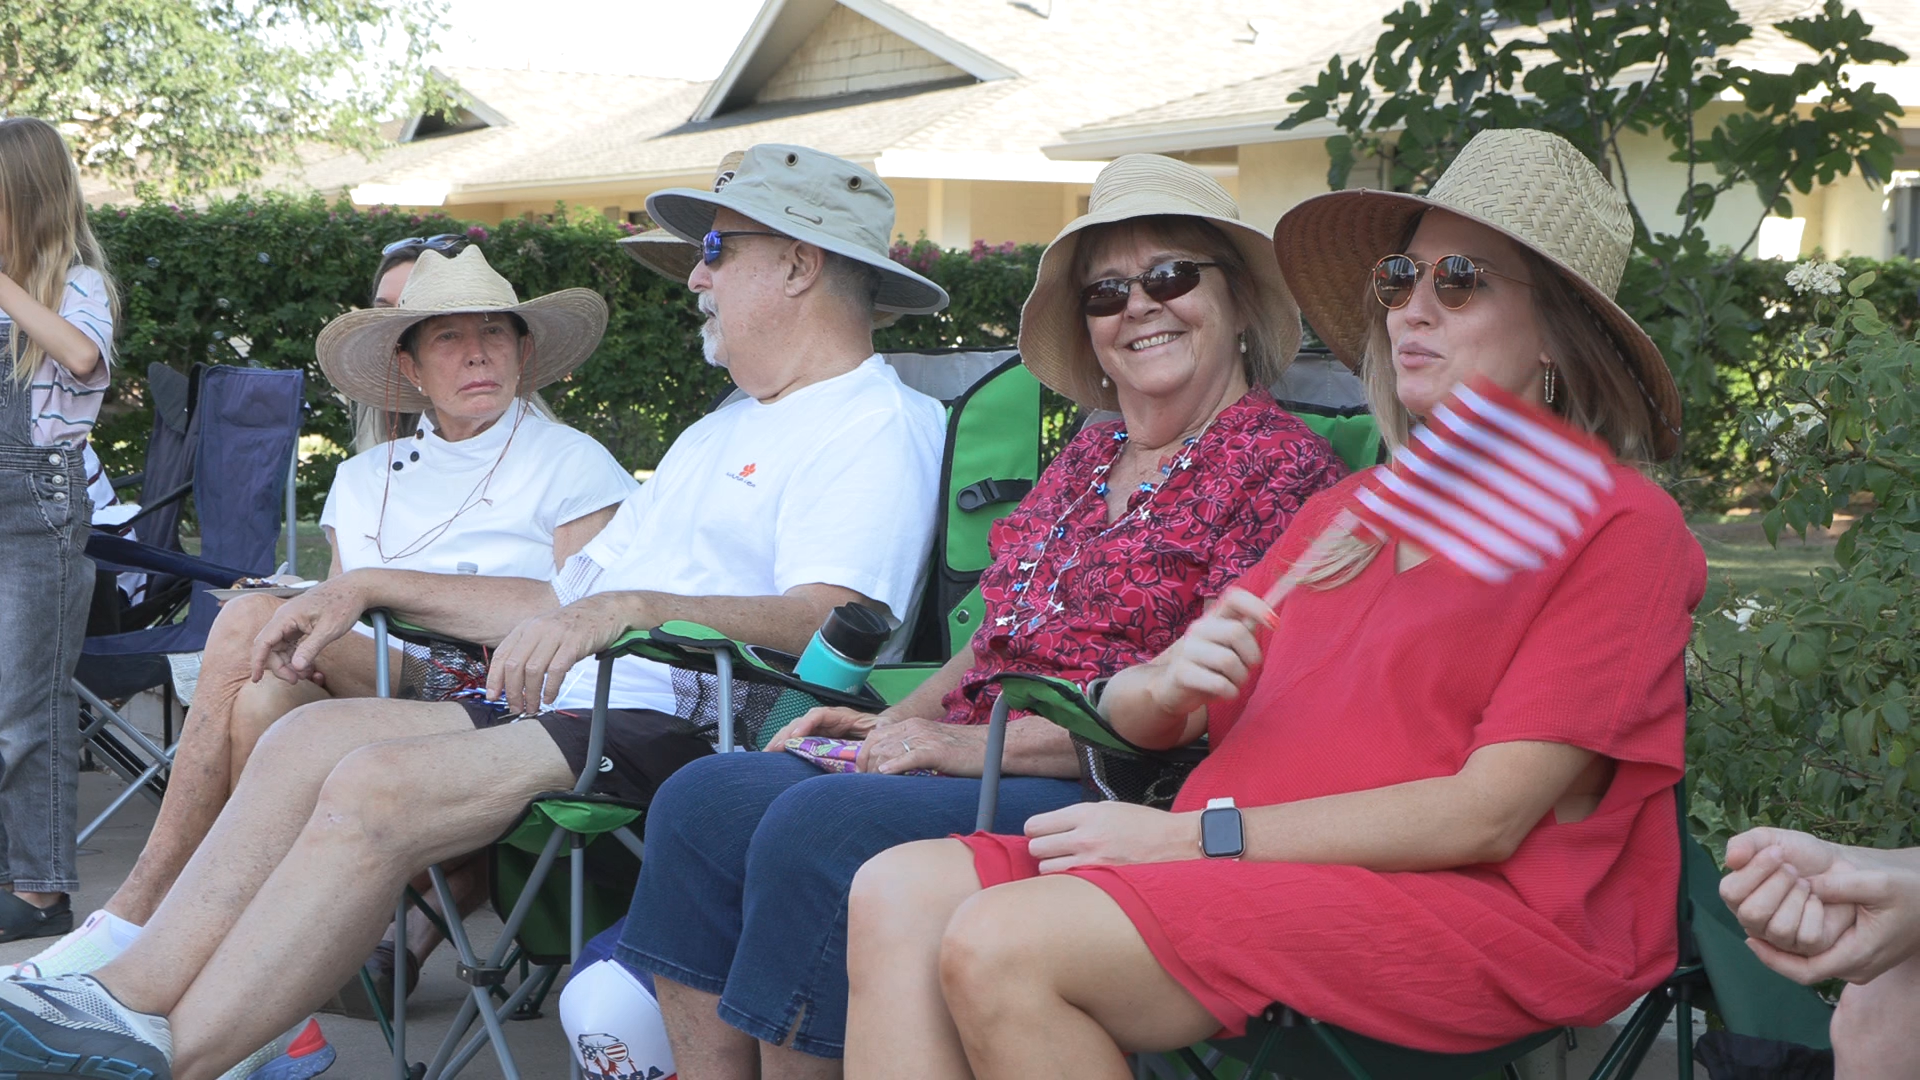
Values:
[(984, 493)]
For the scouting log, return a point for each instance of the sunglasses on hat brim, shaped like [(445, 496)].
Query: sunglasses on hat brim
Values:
[(444, 243)]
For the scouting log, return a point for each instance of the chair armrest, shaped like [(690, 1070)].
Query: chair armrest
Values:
[(1065, 704)]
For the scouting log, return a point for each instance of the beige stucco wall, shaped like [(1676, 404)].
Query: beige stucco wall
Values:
[(1275, 177), (955, 213)]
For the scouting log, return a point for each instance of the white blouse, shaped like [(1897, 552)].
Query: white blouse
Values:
[(492, 501)]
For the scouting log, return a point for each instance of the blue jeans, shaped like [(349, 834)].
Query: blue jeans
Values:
[(750, 856)]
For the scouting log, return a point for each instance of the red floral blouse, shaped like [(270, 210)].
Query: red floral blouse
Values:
[(1074, 596)]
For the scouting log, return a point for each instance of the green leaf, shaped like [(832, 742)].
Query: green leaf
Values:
[(1859, 285), (1857, 727)]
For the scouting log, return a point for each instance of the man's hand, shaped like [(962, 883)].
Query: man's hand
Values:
[(291, 640), (895, 746), (534, 658), (1769, 887), (829, 721), (1885, 930), (1212, 660), (1110, 834)]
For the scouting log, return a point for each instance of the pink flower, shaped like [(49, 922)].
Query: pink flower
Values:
[(476, 234)]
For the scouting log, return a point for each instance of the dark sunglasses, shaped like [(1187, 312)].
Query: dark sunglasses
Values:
[(710, 243), (1455, 277), (445, 243), (1162, 282)]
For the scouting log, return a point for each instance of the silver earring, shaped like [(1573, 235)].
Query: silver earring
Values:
[(1243, 344), (1105, 382), (1548, 381)]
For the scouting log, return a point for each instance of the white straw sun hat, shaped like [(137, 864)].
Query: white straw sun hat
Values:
[(813, 197), (1053, 331), (1531, 186), (356, 350)]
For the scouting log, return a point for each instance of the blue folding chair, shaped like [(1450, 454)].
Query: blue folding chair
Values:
[(241, 434)]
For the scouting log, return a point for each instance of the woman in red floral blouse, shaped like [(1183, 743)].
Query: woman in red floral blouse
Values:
[(1159, 303)]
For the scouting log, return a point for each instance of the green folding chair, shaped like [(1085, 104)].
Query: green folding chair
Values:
[(990, 461), (1715, 970)]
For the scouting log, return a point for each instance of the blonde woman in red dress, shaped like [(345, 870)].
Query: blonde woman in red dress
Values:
[(1454, 800)]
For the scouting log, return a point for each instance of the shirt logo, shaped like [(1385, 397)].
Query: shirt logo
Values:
[(745, 472)]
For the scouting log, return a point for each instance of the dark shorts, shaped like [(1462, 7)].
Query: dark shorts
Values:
[(643, 746)]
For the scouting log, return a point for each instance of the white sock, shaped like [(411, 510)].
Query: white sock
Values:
[(123, 932), (89, 947)]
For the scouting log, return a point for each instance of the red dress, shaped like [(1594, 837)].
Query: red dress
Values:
[(1099, 596), (1395, 677)]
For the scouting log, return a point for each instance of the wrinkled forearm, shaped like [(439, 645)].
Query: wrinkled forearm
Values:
[(469, 607), (1037, 747)]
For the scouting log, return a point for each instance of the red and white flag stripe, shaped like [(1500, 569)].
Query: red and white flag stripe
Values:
[(1489, 483)]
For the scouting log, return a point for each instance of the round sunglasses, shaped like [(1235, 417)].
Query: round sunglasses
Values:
[(1455, 277), (1161, 282), (445, 243), (710, 244)]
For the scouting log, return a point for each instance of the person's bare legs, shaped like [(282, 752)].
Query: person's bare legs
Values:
[(207, 765), (306, 901), (785, 1063), (1874, 1025), (704, 1046), (897, 913)]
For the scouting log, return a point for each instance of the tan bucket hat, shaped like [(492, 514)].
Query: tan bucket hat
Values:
[(666, 254), (1053, 333), (1531, 186), (356, 349), (816, 198)]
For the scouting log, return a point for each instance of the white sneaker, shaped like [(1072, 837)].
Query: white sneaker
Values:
[(300, 1053), (86, 948), (72, 1026)]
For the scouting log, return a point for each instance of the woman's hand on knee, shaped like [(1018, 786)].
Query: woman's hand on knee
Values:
[(1110, 834), (289, 644)]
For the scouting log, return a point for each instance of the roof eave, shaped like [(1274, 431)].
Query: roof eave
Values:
[(1176, 137)]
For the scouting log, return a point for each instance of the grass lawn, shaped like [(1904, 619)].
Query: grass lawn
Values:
[(1740, 563)]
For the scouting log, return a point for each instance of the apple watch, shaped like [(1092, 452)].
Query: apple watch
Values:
[(1220, 833)]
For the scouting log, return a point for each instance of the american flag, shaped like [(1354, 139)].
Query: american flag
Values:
[(1489, 483)]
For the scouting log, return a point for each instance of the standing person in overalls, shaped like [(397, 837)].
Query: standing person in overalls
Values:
[(56, 332)]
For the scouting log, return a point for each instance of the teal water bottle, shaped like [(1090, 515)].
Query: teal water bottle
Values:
[(842, 651)]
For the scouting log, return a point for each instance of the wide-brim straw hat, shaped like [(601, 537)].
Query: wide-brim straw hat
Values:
[(1532, 187), (356, 350), (813, 197), (666, 254), (1054, 342)]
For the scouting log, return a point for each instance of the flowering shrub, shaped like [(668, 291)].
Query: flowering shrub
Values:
[(1818, 732)]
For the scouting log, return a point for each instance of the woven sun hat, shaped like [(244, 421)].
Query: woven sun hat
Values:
[(666, 254), (813, 197), (1053, 331), (1530, 186), (356, 350)]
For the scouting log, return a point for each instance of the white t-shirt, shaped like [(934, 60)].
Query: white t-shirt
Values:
[(406, 491), (834, 484)]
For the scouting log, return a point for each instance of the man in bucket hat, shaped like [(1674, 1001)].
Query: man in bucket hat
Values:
[(816, 489)]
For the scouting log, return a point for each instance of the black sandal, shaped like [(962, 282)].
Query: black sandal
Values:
[(20, 920)]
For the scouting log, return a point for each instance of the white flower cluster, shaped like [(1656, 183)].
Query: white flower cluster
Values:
[(1787, 429), (1742, 613), (1816, 277)]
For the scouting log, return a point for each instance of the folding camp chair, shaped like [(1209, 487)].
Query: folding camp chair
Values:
[(990, 461), (224, 437), (1714, 969)]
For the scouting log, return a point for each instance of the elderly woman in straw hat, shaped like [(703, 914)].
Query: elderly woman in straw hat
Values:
[(1439, 846), (485, 485), (1160, 303)]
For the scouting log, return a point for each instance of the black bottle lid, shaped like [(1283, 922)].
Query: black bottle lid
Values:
[(855, 632)]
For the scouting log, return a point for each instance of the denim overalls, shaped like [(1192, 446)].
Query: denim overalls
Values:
[(46, 583)]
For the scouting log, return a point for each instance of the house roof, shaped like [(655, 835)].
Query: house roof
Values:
[(1013, 77), (1247, 111)]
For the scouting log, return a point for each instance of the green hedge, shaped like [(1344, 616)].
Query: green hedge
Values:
[(253, 281)]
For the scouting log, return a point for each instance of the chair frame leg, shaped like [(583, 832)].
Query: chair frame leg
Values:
[(1623, 1058)]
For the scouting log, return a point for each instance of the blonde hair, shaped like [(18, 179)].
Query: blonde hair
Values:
[(1265, 360), (1597, 392), (46, 230)]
